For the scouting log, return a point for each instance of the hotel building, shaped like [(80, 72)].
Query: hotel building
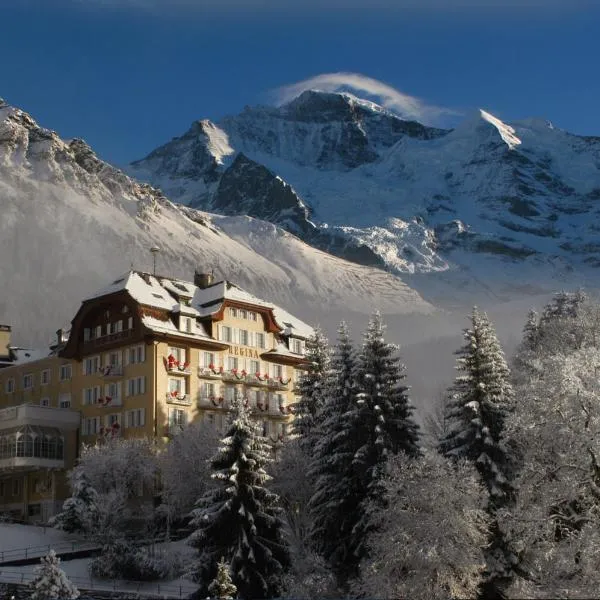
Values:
[(143, 357)]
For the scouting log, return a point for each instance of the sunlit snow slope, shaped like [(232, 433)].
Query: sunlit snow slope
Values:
[(71, 223)]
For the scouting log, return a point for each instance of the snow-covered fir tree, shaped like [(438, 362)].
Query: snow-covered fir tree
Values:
[(311, 389), (555, 521), (428, 543), (239, 520), (480, 401), (80, 513), (383, 419), (335, 506), (221, 587), (50, 581)]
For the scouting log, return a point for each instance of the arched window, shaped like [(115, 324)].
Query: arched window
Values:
[(20, 444)]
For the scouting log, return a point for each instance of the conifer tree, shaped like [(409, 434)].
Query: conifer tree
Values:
[(239, 520), (335, 506), (51, 582), (384, 421), (481, 399), (222, 587), (80, 512), (311, 389)]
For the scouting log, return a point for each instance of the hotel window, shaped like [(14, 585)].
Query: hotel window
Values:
[(177, 384), (277, 370), (113, 359), (254, 367), (233, 312), (130, 323), (136, 354), (243, 314), (229, 394), (243, 337), (136, 386), (111, 420), (27, 381), (185, 324), (265, 428), (225, 333), (178, 354), (177, 417), (232, 363), (208, 390), (91, 365), (136, 417), (209, 359), (118, 326), (64, 400), (16, 487), (252, 316), (45, 402), (91, 426), (113, 391), (10, 385), (65, 372), (91, 395), (296, 346), (260, 340), (98, 331), (45, 377)]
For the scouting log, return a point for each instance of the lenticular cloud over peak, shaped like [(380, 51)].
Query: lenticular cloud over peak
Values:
[(408, 107)]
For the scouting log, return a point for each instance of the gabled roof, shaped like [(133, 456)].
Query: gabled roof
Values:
[(167, 293)]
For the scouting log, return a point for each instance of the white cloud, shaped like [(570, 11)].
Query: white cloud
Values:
[(387, 96)]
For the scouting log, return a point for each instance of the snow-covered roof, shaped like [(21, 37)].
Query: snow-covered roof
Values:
[(169, 327), (165, 293), (21, 356)]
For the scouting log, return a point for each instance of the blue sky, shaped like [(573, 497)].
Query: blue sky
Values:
[(128, 75)]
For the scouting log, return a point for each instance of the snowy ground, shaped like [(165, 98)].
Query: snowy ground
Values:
[(18, 537), (14, 536)]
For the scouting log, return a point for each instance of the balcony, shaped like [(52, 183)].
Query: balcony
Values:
[(31, 414), (103, 340), (205, 401), (111, 371), (178, 398), (176, 367), (108, 401), (212, 373)]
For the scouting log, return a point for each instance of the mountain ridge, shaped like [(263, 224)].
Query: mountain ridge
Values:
[(406, 197)]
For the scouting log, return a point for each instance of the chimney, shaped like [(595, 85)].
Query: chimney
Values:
[(4, 340), (203, 280)]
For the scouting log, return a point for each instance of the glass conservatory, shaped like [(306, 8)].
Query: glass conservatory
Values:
[(32, 441)]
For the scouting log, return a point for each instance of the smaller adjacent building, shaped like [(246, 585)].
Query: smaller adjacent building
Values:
[(144, 356)]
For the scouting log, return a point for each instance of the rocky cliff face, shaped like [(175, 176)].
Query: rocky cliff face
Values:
[(356, 180)]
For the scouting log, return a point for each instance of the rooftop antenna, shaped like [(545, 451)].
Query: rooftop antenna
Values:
[(155, 250)]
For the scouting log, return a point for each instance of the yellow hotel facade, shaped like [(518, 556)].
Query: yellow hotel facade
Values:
[(143, 357)]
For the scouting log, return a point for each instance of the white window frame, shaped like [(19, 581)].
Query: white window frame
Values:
[(226, 334), (64, 400), (66, 372), (46, 380), (28, 378), (260, 340), (177, 384), (209, 358), (244, 337)]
